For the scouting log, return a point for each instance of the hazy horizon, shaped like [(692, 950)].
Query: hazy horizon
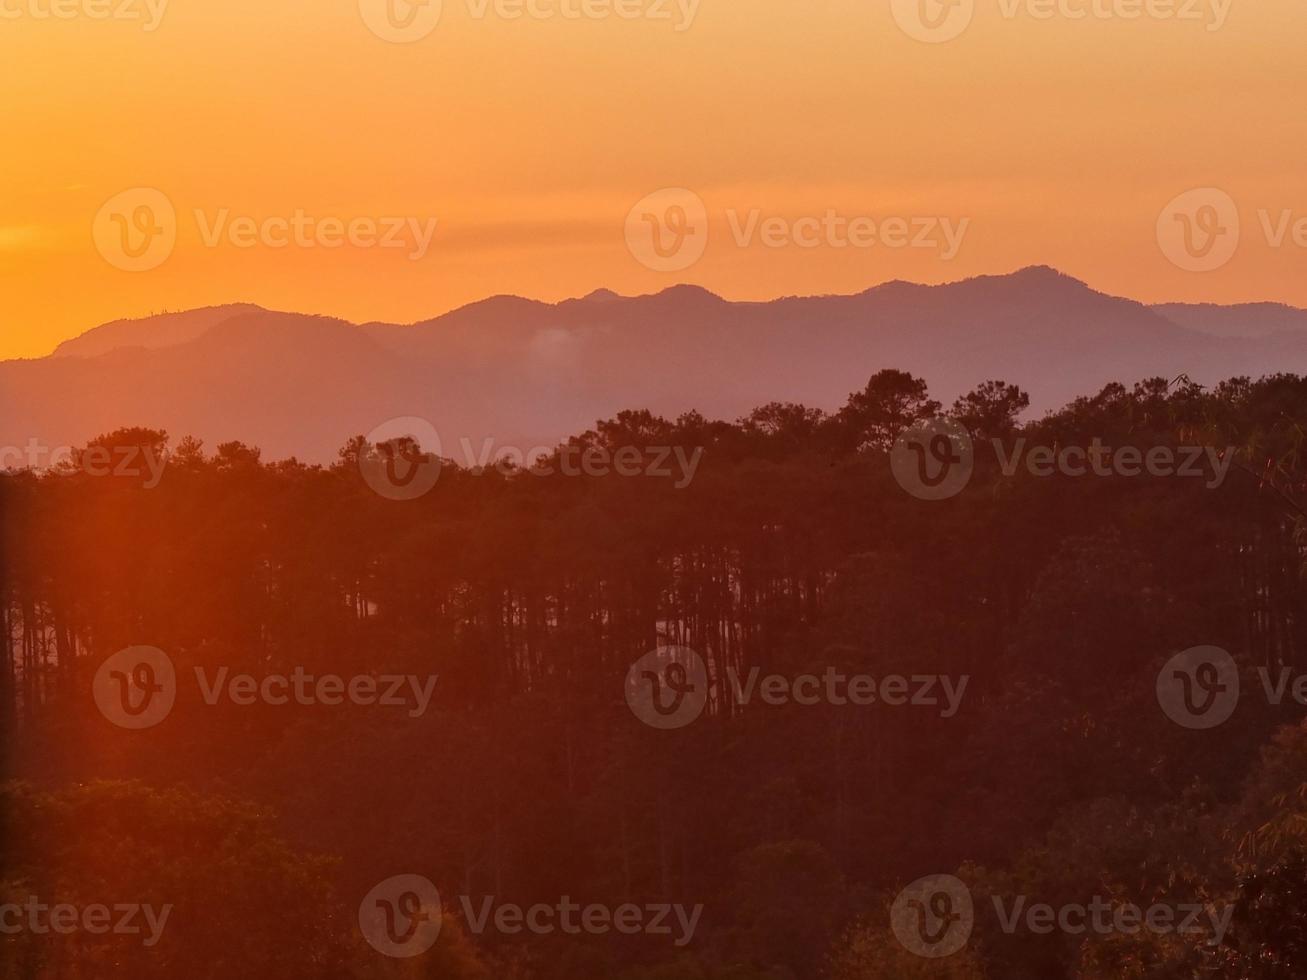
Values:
[(528, 138)]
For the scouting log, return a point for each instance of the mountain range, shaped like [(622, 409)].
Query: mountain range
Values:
[(528, 373)]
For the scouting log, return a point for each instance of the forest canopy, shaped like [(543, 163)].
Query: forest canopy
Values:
[(793, 550)]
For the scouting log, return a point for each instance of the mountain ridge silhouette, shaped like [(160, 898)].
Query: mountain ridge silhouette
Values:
[(526, 372)]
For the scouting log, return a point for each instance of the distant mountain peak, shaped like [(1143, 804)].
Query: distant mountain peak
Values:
[(498, 301), (503, 307), (153, 332), (1031, 272), (687, 293), (1041, 277), (601, 295), (1028, 278)]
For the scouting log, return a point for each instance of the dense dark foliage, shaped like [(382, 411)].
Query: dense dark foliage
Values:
[(793, 549)]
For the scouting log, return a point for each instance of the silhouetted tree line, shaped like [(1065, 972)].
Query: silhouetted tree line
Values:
[(793, 550)]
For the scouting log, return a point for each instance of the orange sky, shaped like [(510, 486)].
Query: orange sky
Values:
[(1058, 140)]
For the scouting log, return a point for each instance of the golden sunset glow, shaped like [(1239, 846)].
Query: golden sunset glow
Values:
[(529, 139), (653, 489)]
